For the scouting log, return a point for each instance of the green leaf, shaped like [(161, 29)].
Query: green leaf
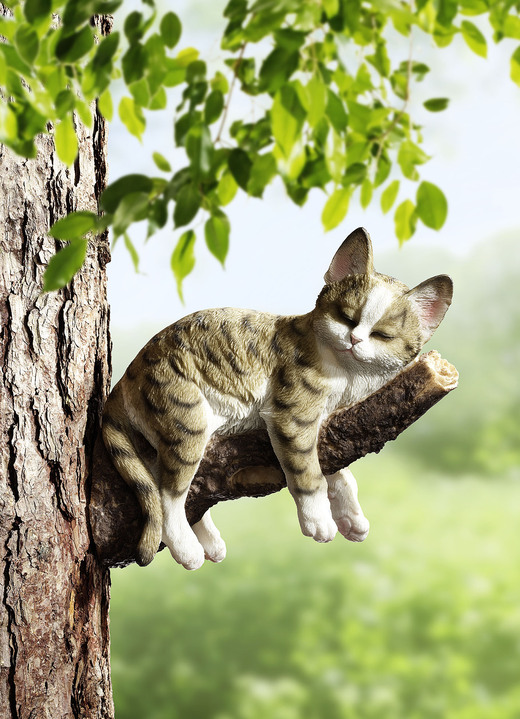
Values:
[(227, 188), (106, 50), (36, 10), (132, 208), (336, 112), (183, 259), (66, 141), (161, 162), (126, 185), (27, 43), (132, 251), (317, 100), (132, 117), (389, 195), (432, 206), (474, 38), (171, 29), (287, 117), (515, 66), (262, 172), (105, 105), (199, 148), (367, 189), (436, 104), (355, 174), (213, 107), (187, 204), (134, 26), (71, 47), (335, 208), (74, 226), (240, 167), (408, 157), (216, 232), (64, 265), (405, 221)]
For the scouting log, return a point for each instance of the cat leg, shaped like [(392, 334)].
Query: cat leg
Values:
[(297, 454), (346, 510), (179, 453), (209, 536)]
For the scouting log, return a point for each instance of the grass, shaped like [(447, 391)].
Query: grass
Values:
[(421, 620)]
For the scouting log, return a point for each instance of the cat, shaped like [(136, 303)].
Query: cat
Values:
[(230, 370)]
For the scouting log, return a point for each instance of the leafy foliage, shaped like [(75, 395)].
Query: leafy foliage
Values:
[(322, 119)]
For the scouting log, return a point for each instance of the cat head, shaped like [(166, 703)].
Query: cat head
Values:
[(371, 321)]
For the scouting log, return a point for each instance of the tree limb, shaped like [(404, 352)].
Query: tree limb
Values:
[(246, 466)]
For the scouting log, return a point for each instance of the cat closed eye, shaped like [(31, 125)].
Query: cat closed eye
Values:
[(346, 318), (381, 336)]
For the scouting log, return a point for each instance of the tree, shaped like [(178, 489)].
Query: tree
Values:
[(54, 641)]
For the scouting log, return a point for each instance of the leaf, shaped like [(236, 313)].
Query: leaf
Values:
[(132, 251), (171, 29), (408, 157), (64, 265), (199, 148), (240, 167), (515, 66), (183, 259), (74, 46), (126, 185), (187, 204), (436, 104), (213, 107), (66, 141), (405, 221), (74, 226), (105, 105), (262, 172), (336, 112), (132, 208), (27, 43), (132, 117), (389, 196), (474, 38), (317, 100), (216, 232), (335, 208), (161, 162), (287, 116), (432, 206), (227, 188), (366, 193), (36, 10)]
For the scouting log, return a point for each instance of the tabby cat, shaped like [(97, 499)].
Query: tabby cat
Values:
[(230, 370)]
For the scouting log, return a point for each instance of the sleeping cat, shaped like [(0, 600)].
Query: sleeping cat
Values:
[(230, 370)]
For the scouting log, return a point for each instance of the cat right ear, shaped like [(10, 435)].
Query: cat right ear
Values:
[(354, 257)]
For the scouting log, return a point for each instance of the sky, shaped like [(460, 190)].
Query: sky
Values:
[(279, 252)]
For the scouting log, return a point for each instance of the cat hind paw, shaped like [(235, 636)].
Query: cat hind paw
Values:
[(355, 529)]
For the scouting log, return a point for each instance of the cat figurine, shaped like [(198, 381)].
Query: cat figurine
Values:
[(231, 370)]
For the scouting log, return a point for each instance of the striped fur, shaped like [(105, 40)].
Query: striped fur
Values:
[(229, 370)]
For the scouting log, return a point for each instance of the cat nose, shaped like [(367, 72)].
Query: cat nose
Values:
[(355, 340)]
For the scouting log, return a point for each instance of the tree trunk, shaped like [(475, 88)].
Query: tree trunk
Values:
[(54, 594)]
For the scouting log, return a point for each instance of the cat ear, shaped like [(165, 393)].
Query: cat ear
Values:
[(431, 300), (354, 257)]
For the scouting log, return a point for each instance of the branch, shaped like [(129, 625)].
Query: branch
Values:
[(246, 466)]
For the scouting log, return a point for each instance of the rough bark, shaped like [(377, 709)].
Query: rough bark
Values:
[(245, 465), (54, 594)]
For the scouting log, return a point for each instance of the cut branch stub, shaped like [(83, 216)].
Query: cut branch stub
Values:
[(245, 465)]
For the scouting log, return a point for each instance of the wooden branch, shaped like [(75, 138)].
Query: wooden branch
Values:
[(246, 466)]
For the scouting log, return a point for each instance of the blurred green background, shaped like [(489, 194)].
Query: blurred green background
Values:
[(421, 620)]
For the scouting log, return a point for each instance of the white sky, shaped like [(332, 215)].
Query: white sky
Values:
[(279, 252)]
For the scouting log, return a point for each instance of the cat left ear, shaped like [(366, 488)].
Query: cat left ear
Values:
[(354, 257), (431, 300)]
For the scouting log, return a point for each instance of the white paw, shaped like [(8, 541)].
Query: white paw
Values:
[(185, 549), (320, 528), (353, 527), (216, 552), (209, 536)]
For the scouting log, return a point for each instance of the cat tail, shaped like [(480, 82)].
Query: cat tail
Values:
[(136, 475)]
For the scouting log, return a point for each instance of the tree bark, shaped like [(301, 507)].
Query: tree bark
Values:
[(245, 465), (54, 355)]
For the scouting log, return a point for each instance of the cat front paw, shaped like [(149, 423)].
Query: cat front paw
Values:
[(320, 530), (355, 528), (186, 550)]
